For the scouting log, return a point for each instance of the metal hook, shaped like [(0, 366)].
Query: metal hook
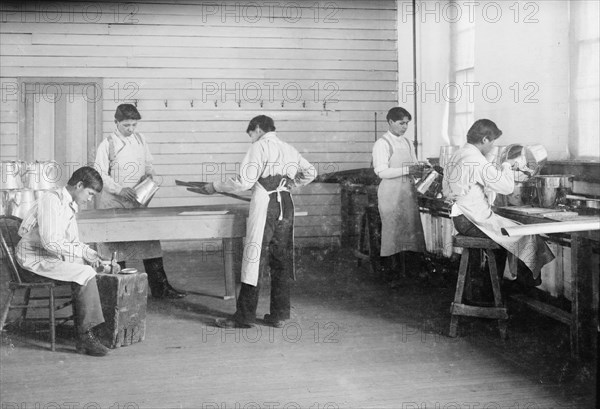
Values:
[(282, 103), (192, 103), (216, 103), (325, 105), (239, 103), (303, 104), (262, 103), (166, 103), (135, 101)]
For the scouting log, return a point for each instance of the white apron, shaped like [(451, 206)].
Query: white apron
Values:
[(401, 228), (531, 249), (128, 166), (32, 256), (255, 229)]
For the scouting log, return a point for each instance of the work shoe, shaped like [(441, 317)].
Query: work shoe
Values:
[(90, 345), (273, 322), (170, 292), (229, 323)]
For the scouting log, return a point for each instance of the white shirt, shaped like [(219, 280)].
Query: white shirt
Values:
[(132, 160), (269, 156), (385, 146), (467, 174)]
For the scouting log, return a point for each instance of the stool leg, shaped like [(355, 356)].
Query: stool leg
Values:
[(6, 307), (502, 323), (460, 286)]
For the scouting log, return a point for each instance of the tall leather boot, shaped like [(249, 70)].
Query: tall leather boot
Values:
[(157, 280)]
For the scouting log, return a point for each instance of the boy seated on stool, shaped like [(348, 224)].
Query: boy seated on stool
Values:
[(50, 247)]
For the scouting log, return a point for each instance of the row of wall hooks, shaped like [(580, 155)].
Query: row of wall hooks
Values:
[(238, 102)]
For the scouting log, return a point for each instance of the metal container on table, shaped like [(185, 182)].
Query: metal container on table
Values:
[(549, 188), (42, 175), (10, 175), (19, 202)]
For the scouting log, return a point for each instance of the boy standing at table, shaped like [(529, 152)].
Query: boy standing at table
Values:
[(271, 168), (124, 159)]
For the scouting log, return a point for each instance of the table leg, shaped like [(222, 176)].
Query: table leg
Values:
[(231, 250), (585, 299)]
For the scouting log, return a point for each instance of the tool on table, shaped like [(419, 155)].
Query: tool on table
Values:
[(113, 260), (197, 187)]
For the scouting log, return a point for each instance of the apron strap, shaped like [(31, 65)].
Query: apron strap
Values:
[(281, 188)]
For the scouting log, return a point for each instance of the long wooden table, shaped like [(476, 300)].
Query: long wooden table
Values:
[(224, 222), (583, 317)]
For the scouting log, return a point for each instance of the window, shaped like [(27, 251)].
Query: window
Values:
[(584, 141), (462, 72)]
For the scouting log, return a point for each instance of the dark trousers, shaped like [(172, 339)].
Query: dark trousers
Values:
[(87, 310), (277, 252), (524, 274)]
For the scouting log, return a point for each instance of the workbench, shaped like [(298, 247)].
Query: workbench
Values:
[(224, 222), (583, 316)]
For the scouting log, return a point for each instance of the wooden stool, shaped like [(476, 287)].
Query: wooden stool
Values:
[(457, 308)]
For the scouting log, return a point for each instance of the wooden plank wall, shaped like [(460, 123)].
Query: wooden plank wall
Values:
[(199, 70)]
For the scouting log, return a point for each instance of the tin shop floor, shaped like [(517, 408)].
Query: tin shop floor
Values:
[(352, 343)]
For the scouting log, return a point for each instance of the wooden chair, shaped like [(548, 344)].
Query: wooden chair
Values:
[(498, 311), (9, 226)]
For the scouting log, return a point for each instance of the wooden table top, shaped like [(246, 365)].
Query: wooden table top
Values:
[(163, 223)]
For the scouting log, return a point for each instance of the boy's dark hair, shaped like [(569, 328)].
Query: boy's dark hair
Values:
[(483, 128), (263, 122), (398, 114), (89, 177), (127, 111)]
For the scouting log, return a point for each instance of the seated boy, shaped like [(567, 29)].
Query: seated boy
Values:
[(50, 247)]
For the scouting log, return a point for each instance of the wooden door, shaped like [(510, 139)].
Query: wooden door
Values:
[(60, 120)]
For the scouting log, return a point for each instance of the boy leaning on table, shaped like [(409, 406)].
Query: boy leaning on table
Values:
[(50, 247)]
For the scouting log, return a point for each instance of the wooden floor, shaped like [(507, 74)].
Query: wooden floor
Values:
[(352, 343)]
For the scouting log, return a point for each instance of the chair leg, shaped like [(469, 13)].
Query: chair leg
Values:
[(458, 295), (52, 320), (26, 303), (6, 308)]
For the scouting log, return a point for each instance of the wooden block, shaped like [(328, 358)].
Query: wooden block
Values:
[(123, 298)]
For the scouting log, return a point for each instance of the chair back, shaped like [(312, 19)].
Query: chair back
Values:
[(9, 238)]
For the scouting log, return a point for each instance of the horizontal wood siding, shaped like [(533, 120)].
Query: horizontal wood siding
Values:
[(199, 70)]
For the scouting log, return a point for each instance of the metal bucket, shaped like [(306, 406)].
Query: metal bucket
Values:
[(546, 188), (145, 190)]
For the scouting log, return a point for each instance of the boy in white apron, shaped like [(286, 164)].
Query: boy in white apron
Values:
[(270, 168), (401, 228), (50, 247), (472, 182), (124, 159)]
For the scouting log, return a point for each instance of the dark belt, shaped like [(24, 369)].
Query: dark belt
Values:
[(272, 182)]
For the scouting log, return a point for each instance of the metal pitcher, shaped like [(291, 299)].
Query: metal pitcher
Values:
[(42, 175), (19, 202), (426, 181), (145, 190), (10, 174)]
